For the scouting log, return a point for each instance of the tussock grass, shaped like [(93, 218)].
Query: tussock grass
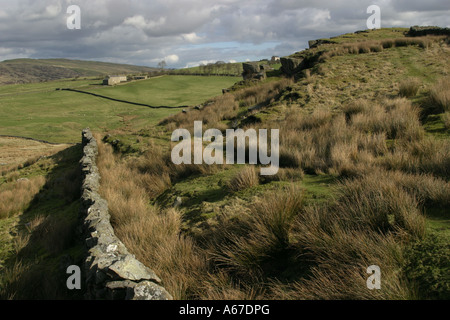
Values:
[(440, 95), (250, 247), (424, 156), (245, 178), (355, 107), (409, 87), (364, 47), (398, 118), (376, 203), (280, 236)]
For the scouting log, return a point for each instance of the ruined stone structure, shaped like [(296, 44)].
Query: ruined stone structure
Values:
[(110, 271)]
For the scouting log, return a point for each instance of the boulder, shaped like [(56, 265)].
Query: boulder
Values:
[(253, 71), (290, 66), (147, 290), (131, 269)]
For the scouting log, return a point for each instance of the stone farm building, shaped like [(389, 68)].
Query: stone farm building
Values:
[(112, 80), (140, 77)]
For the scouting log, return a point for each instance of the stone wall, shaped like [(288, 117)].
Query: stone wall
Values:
[(417, 31), (110, 271)]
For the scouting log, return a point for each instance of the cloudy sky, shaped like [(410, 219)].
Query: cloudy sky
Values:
[(189, 32)]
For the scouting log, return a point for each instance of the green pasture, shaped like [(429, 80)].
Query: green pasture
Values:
[(40, 111)]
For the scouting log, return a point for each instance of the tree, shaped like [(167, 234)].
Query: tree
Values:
[(162, 64)]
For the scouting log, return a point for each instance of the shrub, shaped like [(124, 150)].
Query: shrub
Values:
[(427, 266)]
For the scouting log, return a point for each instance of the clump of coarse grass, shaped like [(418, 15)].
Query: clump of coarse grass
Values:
[(355, 107), (245, 178), (256, 243), (440, 95), (409, 87), (427, 155), (375, 202)]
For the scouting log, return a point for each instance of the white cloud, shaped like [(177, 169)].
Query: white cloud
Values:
[(192, 37), (171, 59), (199, 63), (140, 22)]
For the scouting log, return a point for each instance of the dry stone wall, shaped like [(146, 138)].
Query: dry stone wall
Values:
[(110, 271)]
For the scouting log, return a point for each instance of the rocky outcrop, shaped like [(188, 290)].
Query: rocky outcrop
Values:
[(318, 42), (290, 66), (110, 271), (253, 71)]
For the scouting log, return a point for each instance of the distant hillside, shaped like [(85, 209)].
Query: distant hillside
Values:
[(37, 70)]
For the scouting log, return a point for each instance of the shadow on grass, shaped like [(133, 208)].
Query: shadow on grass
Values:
[(47, 239)]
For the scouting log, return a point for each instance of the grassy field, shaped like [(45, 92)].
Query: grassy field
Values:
[(169, 91), (41, 112)]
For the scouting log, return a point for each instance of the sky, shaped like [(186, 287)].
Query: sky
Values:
[(187, 33)]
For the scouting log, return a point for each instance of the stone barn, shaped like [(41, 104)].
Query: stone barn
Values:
[(112, 80)]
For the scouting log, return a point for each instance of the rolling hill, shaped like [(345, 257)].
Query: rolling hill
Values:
[(37, 70)]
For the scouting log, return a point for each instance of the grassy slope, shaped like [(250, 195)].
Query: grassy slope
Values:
[(335, 82), (345, 78), (38, 111)]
